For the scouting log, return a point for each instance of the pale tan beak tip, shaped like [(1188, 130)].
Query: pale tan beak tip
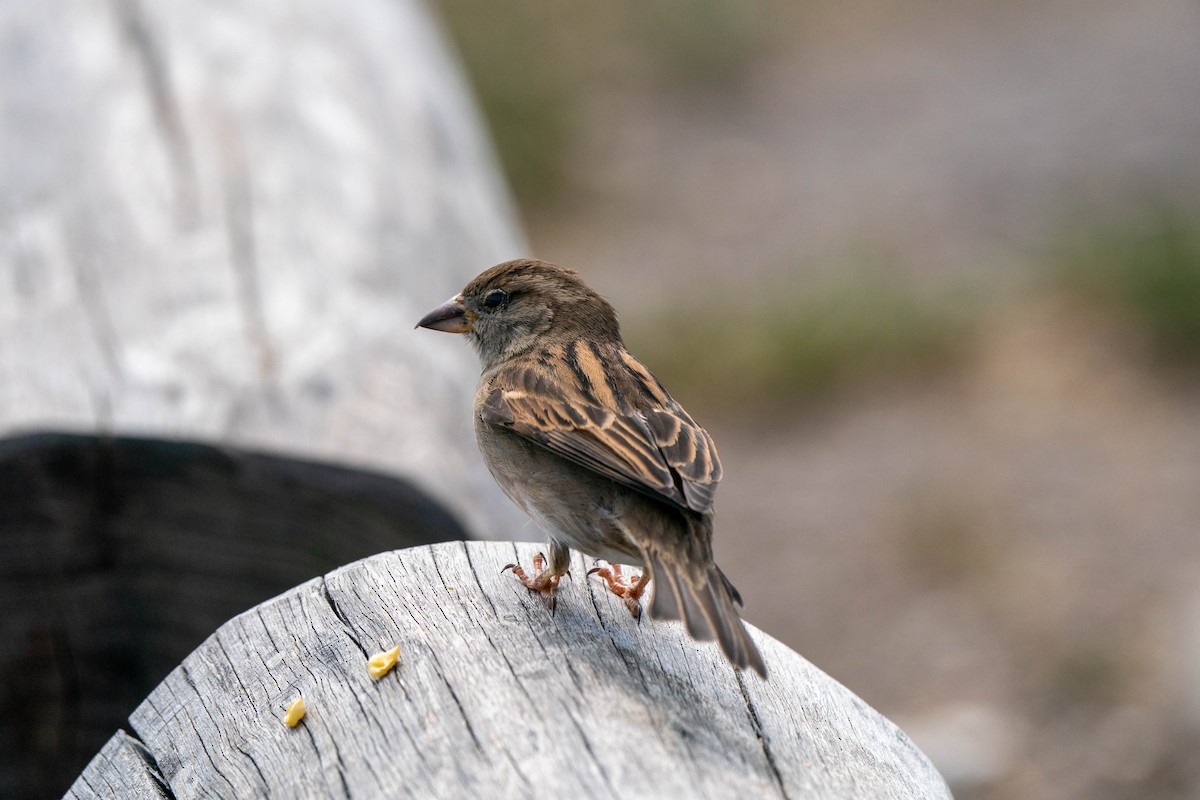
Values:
[(450, 317)]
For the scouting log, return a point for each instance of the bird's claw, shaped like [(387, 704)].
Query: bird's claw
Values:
[(541, 580), (627, 587)]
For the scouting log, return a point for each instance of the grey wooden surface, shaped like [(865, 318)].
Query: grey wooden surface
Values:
[(494, 697), (123, 768), (220, 220)]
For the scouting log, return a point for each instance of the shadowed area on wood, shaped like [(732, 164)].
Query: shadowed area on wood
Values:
[(120, 555)]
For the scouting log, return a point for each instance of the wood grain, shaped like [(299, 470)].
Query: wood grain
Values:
[(122, 768), (495, 697)]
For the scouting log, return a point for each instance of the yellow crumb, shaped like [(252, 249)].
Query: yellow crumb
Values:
[(382, 662), (295, 713)]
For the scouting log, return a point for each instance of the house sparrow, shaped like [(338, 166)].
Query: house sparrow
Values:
[(587, 442)]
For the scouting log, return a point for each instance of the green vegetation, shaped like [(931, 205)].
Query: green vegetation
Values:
[(532, 63), (699, 41), (1148, 270), (518, 57), (796, 348)]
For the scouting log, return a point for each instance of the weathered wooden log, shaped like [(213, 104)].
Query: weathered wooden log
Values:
[(493, 697)]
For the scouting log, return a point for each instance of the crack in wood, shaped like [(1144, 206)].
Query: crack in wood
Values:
[(150, 763), (570, 670), (185, 673), (342, 775), (364, 714), (587, 745), (347, 628), (254, 763), (339, 765), (646, 688), (532, 703), (756, 724), (612, 639), (475, 574), (508, 663), (516, 765), (438, 571), (233, 670), (441, 673), (579, 685), (207, 753)]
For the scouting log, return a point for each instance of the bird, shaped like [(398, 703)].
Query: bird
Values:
[(586, 441)]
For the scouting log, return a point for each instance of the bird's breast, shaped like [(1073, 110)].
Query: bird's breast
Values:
[(574, 505)]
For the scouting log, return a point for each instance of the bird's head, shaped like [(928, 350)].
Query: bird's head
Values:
[(519, 305)]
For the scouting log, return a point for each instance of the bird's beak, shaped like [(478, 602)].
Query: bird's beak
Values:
[(451, 316)]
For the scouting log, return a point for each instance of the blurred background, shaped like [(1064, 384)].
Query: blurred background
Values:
[(930, 273)]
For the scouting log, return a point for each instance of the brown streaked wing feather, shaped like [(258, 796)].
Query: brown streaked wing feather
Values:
[(588, 435), (660, 451), (689, 451)]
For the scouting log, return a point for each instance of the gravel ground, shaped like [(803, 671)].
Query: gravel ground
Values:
[(1006, 559)]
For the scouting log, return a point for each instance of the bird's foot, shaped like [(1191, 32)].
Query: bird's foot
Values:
[(627, 587), (541, 580)]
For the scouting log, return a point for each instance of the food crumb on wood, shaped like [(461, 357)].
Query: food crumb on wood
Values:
[(382, 662), (295, 712)]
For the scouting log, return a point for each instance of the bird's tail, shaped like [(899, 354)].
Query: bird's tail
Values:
[(708, 605)]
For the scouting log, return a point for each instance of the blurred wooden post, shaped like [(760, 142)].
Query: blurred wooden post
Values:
[(493, 697), (221, 222)]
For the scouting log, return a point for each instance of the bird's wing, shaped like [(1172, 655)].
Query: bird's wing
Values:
[(658, 450)]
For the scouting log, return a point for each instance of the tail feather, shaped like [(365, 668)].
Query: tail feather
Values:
[(729, 587), (709, 611), (699, 619), (667, 598), (730, 631)]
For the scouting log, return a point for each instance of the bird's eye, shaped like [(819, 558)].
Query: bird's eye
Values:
[(496, 298)]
